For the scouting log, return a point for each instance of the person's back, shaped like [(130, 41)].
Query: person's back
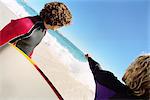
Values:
[(109, 87)]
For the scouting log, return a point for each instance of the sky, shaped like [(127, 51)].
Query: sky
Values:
[(114, 32)]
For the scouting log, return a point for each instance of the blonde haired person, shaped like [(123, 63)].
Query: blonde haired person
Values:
[(136, 78)]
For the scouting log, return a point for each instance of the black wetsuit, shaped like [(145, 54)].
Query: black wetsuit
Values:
[(108, 86)]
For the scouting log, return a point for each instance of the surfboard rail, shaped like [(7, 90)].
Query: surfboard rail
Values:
[(40, 71)]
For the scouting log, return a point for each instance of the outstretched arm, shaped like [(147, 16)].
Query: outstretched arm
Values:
[(104, 77)]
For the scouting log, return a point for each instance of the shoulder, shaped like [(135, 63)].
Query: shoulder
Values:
[(32, 19), (22, 21)]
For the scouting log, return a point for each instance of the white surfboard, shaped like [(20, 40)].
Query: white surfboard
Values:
[(19, 79)]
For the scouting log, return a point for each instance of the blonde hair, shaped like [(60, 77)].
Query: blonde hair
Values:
[(56, 14), (137, 76)]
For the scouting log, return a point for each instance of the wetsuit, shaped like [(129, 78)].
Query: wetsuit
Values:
[(29, 41), (108, 86)]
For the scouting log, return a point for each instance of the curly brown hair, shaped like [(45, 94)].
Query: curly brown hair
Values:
[(56, 14), (137, 76)]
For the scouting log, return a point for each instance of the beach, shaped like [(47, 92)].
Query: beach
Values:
[(58, 73)]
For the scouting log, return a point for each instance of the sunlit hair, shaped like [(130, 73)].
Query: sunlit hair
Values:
[(56, 14), (137, 76)]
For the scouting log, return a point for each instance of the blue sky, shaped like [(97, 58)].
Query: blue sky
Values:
[(114, 32)]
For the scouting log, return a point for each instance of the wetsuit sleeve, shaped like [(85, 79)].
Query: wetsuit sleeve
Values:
[(20, 37), (93, 65), (104, 77), (25, 35), (14, 40), (15, 29)]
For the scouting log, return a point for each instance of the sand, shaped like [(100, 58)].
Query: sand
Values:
[(57, 72)]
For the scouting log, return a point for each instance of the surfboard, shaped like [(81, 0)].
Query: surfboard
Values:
[(20, 79), (60, 74)]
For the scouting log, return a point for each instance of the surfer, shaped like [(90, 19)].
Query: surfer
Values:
[(136, 78), (26, 33)]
